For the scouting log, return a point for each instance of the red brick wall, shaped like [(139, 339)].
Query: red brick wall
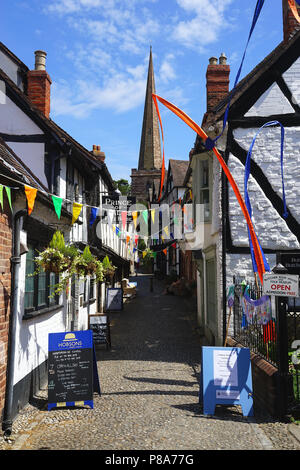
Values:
[(264, 381), (217, 84), (5, 291), (38, 90)]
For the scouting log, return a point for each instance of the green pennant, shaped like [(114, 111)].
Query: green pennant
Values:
[(8, 193), (154, 254), (176, 220), (145, 215), (57, 202), (1, 195)]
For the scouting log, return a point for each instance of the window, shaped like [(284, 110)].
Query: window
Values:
[(204, 188), (38, 287), (92, 289)]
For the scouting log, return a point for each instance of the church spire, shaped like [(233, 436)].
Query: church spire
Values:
[(150, 149)]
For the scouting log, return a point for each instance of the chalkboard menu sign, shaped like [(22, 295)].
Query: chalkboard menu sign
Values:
[(72, 369), (114, 299), (100, 326)]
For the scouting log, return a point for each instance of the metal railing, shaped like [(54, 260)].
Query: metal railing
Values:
[(261, 339), (273, 341)]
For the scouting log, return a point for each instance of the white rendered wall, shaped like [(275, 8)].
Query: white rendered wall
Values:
[(14, 121), (11, 69), (266, 153), (292, 79), (32, 154), (264, 106), (32, 334)]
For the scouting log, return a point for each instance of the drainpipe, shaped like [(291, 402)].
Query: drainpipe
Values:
[(15, 263), (224, 280)]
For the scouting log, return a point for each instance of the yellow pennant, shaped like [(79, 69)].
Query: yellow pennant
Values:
[(134, 216), (153, 214), (76, 211), (166, 230), (144, 253)]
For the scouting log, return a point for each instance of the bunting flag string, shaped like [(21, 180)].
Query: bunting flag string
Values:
[(93, 215), (182, 115), (57, 203), (134, 217), (124, 219), (8, 194), (76, 211), (30, 195)]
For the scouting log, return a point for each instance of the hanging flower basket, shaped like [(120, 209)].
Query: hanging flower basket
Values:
[(87, 264), (52, 260)]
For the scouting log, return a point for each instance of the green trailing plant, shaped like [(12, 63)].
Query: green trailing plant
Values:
[(108, 269), (66, 260), (87, 264), (53, 258)]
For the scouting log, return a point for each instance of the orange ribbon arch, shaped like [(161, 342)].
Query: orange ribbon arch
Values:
[(182, 115)]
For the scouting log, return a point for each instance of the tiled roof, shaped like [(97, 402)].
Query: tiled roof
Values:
[(178, 170)]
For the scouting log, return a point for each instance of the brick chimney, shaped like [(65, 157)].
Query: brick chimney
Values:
[(98, 154), (217, 81), (39, 83), (290, 24)]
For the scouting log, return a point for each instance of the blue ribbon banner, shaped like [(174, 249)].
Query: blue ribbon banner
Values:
[(210, 143), (247, 200)]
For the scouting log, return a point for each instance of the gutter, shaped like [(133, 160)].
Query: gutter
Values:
[(15, 263)]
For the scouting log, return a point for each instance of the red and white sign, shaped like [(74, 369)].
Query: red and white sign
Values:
[(283, 285)]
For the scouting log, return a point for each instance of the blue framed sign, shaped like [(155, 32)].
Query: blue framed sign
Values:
[(226, 379), (72, 369)]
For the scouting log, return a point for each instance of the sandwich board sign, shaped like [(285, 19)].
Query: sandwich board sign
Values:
[(114, 299), (226, 379), (283, 285), (72, 369), (100, 326)]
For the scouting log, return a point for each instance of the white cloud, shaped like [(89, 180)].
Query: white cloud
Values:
[(167, 71), (120, 94), (205, 26)]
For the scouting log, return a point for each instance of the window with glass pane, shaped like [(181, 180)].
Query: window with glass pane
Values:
[(29, 279), (38, 287), (42, 286), (92, 288), (204, 188)]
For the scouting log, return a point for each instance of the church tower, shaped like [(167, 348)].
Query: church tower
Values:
[(150, 158)]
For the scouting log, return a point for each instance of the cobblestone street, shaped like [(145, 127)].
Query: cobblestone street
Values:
[(149, 384)]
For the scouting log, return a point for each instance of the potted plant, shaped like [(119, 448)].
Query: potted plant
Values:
[(86, 263), (108, 270), (52, 259)]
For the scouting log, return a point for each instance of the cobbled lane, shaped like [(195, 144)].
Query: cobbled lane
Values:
[(149, 400)]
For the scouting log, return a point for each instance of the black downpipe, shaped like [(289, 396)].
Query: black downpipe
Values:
[(15, 264), (224, 228)]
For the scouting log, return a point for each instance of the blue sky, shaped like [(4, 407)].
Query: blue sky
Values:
[(98, 52)]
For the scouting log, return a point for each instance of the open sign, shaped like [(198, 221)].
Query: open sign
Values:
[(283, 285)]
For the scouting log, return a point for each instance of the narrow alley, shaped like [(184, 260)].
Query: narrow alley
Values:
[(150, 384)]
